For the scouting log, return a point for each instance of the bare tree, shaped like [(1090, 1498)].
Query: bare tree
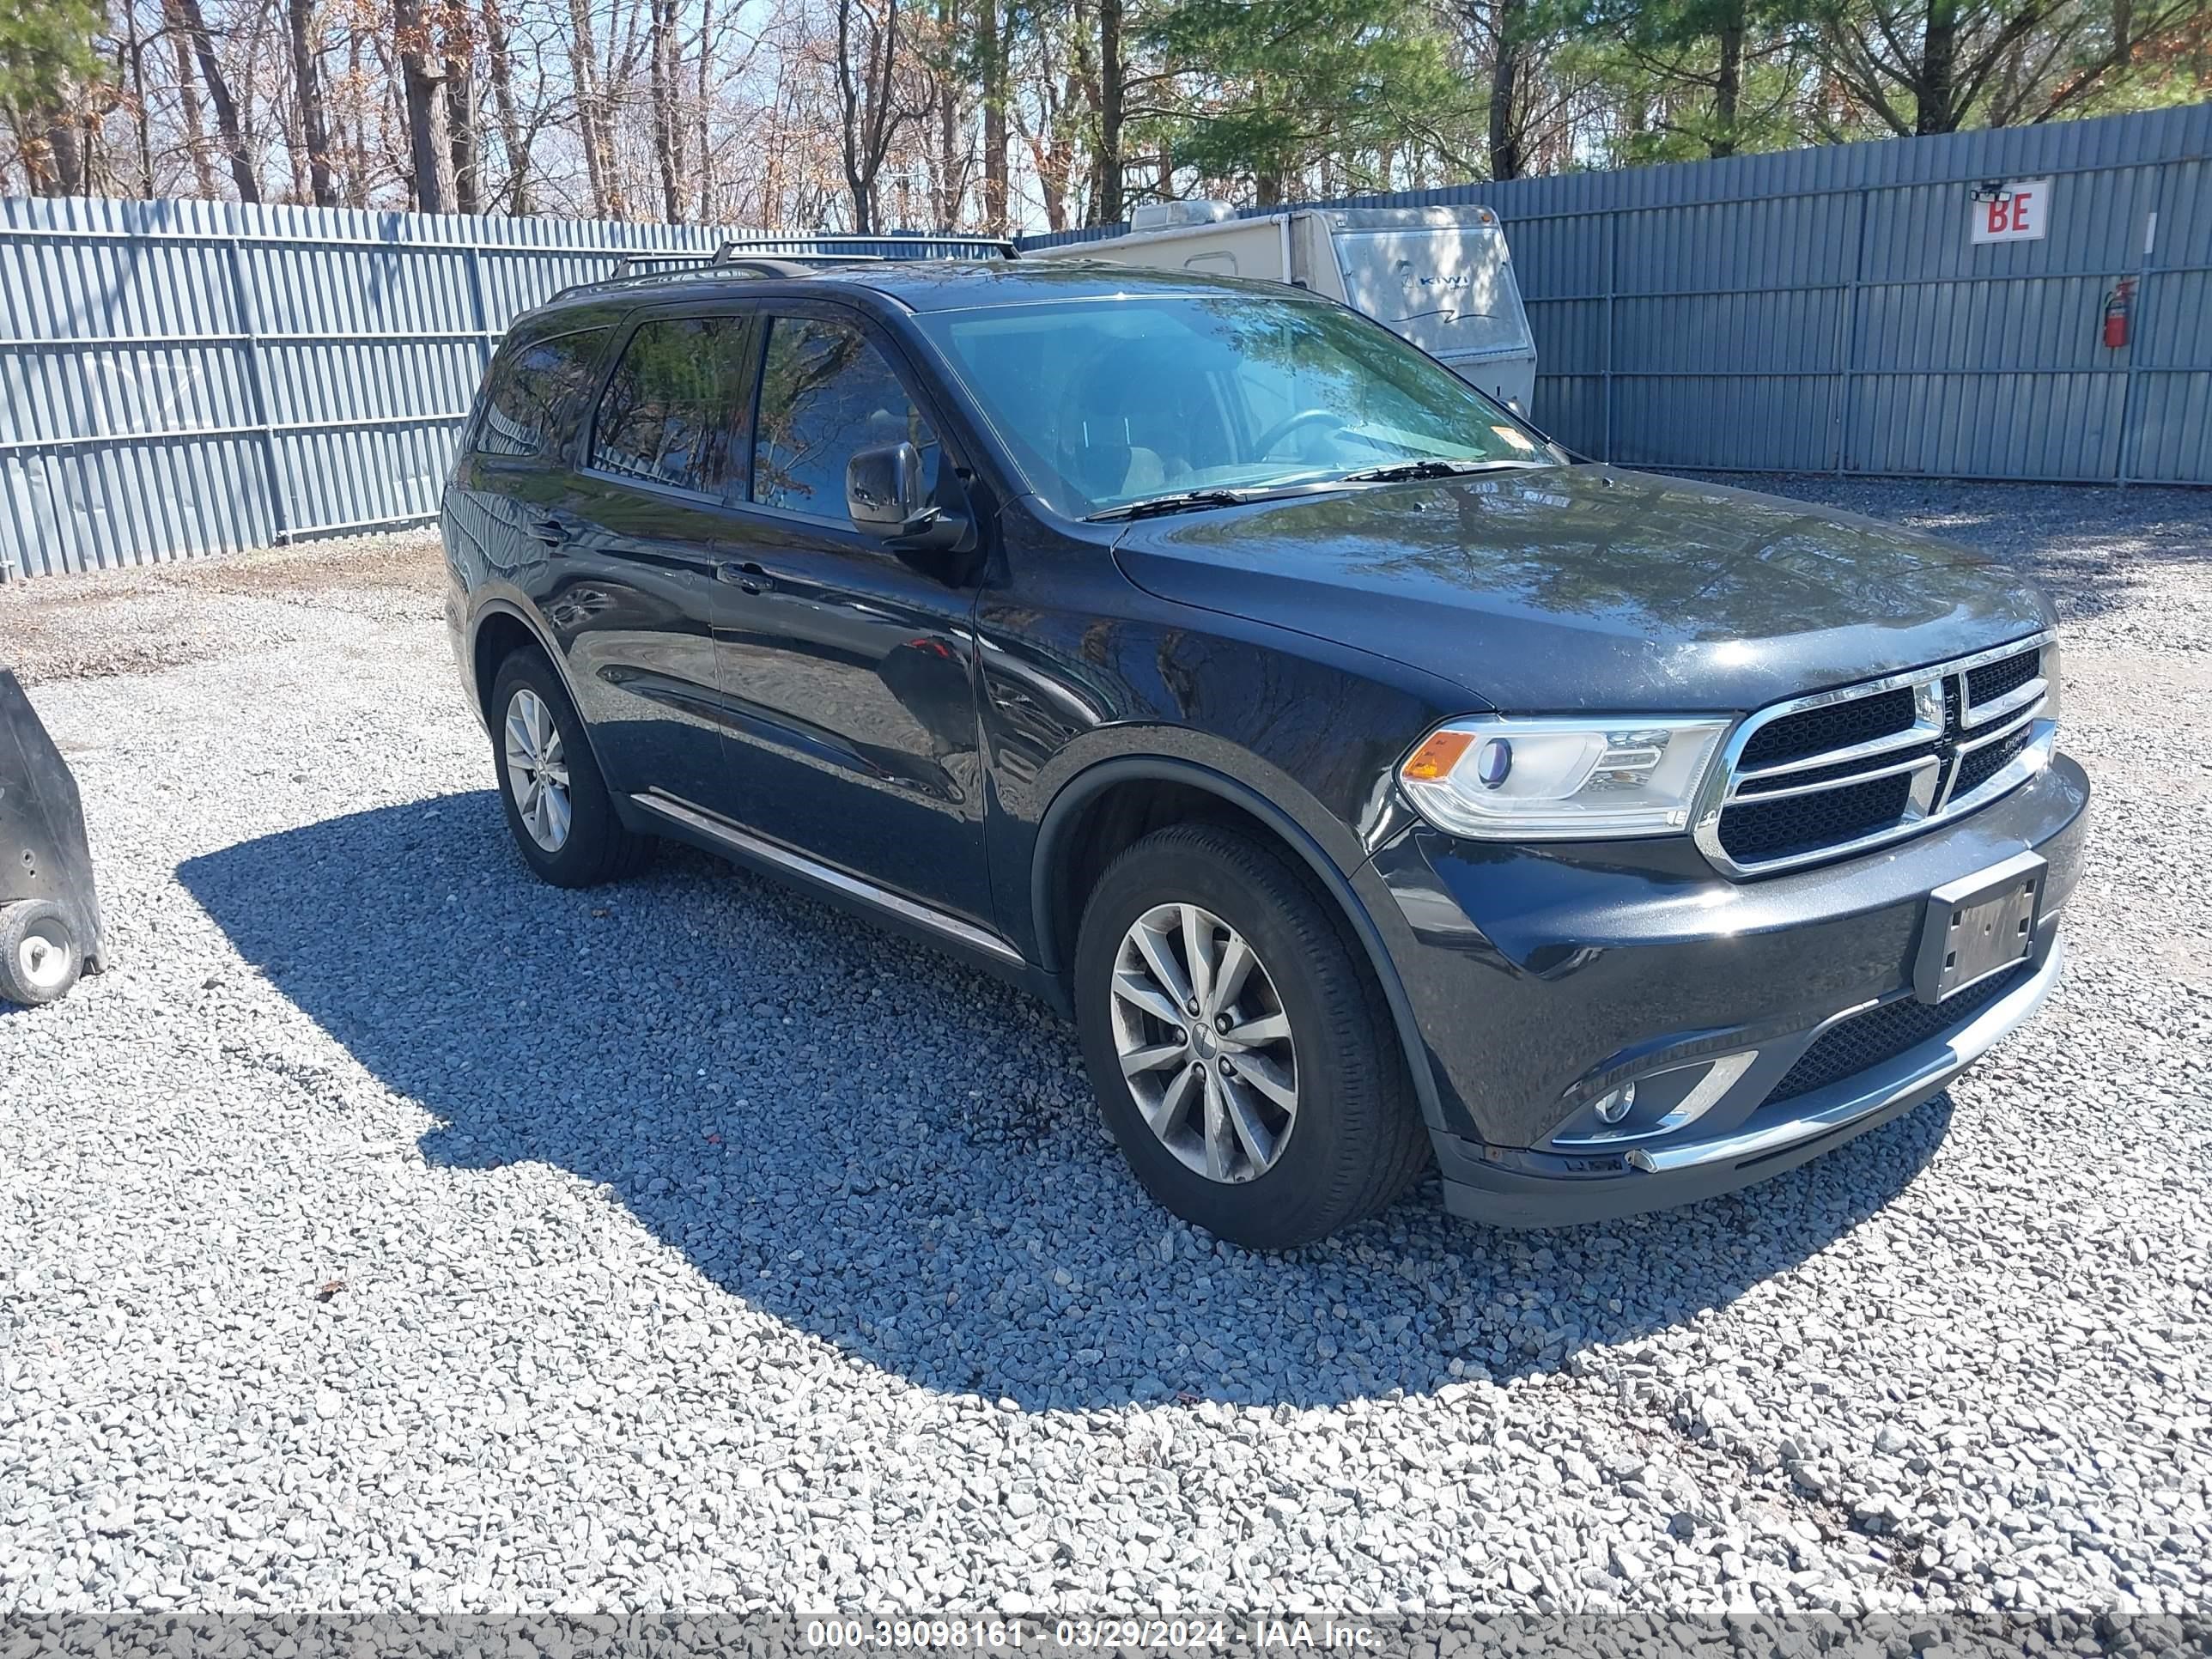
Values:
[(422, 90), (132, 65), (592, 116), (1509, 103), (193, 21), (463, 121), (667, 125), (868, 71), (705, 113), (993, 32), (1113, 99), (949, 159), (307, 91), (1047, 118), (188, 101), (507, 111)]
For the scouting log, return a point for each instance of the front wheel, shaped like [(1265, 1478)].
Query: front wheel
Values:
[(1243, 1054)]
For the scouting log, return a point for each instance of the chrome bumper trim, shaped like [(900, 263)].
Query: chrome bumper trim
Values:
[(1841, 1104)]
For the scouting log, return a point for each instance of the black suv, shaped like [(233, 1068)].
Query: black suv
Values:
[(1369, 781)]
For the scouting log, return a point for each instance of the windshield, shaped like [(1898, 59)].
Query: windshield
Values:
[(1106, 402)]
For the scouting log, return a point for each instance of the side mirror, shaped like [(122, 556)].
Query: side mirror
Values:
[(883, 491), (887, 496)]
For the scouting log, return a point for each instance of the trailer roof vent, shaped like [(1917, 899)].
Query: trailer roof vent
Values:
[(1170, 215)]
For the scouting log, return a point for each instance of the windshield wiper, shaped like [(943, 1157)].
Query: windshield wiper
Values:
[(1404, 471), (1194, 501), (1186, 500)]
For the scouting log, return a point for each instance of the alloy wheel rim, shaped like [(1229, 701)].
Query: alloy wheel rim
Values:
[(42, 959), (537, 770), (1203, 1042)]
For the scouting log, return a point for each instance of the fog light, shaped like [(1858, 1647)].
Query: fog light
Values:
[(1617, 1105)]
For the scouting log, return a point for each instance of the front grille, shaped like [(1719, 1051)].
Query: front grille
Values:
[(1755, 829), (1797, 793), (1865, 1040), (1831, 727), (1979, 767), (1986, 685)]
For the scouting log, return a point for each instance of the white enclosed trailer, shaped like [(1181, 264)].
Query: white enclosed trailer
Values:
[(1441, 277)]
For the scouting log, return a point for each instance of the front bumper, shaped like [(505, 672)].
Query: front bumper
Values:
[(1525, 1192), (1542, 978)]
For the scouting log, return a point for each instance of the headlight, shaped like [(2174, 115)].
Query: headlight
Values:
[(1586, 777)]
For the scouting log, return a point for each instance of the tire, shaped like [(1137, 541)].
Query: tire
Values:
[(40, 955), (1354, 1139), (572, 837)]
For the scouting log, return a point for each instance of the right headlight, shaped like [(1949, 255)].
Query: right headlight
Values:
[(1571, 778)]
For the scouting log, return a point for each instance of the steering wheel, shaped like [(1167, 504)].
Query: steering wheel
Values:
[(1283, 429)]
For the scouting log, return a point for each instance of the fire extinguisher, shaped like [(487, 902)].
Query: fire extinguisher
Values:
[(2116, 303)]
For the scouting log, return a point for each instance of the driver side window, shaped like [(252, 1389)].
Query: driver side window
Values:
[(826, 393)]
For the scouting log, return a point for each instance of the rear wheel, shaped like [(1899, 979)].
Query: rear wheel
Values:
[(558, 807), (40, 956), (1243, 1053)]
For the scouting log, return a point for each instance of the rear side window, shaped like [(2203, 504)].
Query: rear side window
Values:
[(826, 392), (676, 408), (533, 389)]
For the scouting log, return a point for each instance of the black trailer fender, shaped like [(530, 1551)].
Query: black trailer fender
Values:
[(43, 851)]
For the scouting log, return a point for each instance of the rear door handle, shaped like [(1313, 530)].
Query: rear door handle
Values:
[(748, 577), (551, 531)]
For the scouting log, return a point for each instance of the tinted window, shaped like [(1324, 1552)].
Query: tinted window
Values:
[(1108, 401), (826, 392), (532, 388), (675, 407)]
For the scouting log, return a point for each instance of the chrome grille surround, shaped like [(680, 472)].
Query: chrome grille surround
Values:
[(1945, 729)]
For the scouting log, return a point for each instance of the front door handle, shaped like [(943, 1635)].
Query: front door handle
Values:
[(551, 531), (748, 577)]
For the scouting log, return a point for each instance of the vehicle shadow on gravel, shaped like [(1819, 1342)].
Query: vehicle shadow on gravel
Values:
[(865, 1140)]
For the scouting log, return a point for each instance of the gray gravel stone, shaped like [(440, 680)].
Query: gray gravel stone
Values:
[(390, 1231)]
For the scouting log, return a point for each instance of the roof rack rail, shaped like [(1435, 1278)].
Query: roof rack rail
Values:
[(785, 256), (851, 244), (626, 265), (773, 247), (625, 276)]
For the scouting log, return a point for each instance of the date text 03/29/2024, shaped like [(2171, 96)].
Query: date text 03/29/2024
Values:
[(1085, 1634)]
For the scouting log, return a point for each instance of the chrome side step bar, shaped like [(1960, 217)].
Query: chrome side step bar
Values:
[(767, 851)]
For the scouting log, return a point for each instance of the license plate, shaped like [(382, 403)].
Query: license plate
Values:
[(1977, 926)]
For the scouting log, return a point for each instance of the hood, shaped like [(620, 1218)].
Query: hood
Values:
[(1570, 588)]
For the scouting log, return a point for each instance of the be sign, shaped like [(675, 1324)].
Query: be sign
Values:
[(2019, 213)]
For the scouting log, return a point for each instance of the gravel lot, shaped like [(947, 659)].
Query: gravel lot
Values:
[(389, 1230)]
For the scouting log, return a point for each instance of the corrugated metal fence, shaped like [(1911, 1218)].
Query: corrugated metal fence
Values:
[(1824, 309), (181, 376), (177, 377)]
